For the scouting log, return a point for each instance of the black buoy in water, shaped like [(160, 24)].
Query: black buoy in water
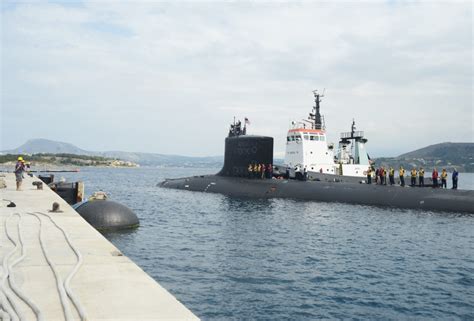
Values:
[(107, 215)]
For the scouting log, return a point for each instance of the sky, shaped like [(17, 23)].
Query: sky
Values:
[(169, 77)]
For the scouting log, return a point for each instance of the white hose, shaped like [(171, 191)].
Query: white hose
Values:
[(59, 282), (11, 278), (4, 316), (5, 305), (7, 299), (70, 293), (11, 313)]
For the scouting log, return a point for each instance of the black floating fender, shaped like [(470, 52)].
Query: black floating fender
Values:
[(107, 215)]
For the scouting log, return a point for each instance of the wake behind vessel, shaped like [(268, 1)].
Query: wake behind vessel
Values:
[(242, 151)]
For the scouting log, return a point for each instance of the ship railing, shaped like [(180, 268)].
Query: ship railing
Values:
[(358, 133)]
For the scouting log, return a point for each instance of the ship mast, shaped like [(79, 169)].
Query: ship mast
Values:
[(315, 116)]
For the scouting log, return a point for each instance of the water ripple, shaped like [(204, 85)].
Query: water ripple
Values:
[(232, 259)]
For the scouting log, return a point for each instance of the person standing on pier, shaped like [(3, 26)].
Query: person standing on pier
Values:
[(19, 170), (455, 179), (444, 178)]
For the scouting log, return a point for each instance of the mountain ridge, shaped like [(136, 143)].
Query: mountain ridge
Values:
[(41, 145), (443, 155), (446, 154)]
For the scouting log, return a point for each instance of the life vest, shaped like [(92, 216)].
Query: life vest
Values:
[(444, 174), (392, 172), (250, 168), (19, 167), (421, 173), (413, 173), (401, 172)]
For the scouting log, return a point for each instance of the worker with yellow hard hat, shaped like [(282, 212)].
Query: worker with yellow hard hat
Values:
[(20, 168)]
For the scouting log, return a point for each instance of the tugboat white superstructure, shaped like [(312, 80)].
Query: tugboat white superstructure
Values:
[(307, 148)]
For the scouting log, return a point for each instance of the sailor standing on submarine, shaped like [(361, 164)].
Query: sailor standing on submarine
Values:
[(413, 177), (444, 178), (369, 175), (401, 173), (391, 175), (455, 179), (421, 177)]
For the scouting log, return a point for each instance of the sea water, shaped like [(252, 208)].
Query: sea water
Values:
[(241, 259)]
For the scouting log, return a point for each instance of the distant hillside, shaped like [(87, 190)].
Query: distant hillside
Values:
[(459, 155), (40, 145), (152, 159), (36, 146), (443, 150), (444, 155), (61, 159)]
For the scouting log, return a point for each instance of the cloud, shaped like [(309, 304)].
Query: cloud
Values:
[(169, 77)]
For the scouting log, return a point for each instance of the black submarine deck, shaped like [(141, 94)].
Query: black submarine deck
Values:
[(342, 192)]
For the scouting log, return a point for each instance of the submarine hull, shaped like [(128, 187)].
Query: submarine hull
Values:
[(363, 194)]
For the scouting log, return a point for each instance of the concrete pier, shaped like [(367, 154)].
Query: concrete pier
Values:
[(75, 275)]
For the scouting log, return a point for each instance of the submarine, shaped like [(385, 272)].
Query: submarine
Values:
[(234, 180)]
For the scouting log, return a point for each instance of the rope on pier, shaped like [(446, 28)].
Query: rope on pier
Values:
[(7, 300), (11, 279), (70, 293), (9, 309), (4, 316), (59, 281)]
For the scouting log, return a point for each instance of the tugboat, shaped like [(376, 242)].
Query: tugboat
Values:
[(307, 150)]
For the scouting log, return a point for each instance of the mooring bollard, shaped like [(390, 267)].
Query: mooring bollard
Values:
[(38, 184)]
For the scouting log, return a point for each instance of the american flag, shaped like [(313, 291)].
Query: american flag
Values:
[(247, 121)]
